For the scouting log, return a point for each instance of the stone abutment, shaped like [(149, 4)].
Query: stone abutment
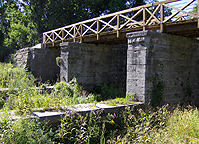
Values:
[(151, 63)]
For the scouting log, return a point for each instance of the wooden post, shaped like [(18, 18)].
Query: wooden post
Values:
[(81, 32), (161, 18), (62, 35), (74, 33), (53, 38), (98, 29), (144, 19), (118, 25), (44, 40)]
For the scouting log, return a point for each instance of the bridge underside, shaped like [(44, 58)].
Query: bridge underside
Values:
[(187, 28)]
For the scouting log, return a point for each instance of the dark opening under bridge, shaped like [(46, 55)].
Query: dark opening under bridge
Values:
[(113, 27)]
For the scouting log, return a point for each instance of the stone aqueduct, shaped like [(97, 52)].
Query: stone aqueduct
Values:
[(134, 58)]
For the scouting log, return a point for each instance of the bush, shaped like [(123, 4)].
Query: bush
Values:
[(182, 127), (130, 126), (24, 131), (76, 128), (13, 77)]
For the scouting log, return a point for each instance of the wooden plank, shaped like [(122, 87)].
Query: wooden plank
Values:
[(118, 25), (68, 33), (116, 13), (152, 14), (62, 35), (77, 31), (53, 38), (178, 10), (98, 29), (108, 24), (161, 18), (180, 27), (89, 28), (49, 37), (81, 32), (58, 35), (44, 38), (74, 33), (129, 19), (144, 19)]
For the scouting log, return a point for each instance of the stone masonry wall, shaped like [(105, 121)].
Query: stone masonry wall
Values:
[(168, 58), (40, 61), (93, 65)]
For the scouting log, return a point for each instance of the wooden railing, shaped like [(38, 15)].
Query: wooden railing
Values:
[(142, 17)]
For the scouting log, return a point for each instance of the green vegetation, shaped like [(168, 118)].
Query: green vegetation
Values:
[(23, 96), (130, 126), (24, 21), (129, 99), (13, 77)]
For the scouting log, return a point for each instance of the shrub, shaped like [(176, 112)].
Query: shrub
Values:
[(76, 128), (182, 126), (12, 77), (24, 131)]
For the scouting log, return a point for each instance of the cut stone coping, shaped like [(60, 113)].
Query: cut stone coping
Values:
[(53, 116)]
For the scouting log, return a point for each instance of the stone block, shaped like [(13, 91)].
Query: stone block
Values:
[(165, 55)]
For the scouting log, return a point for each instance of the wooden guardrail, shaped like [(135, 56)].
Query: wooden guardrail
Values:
[(143, 17)]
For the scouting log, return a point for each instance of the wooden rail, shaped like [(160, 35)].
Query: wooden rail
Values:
[(141, 17)]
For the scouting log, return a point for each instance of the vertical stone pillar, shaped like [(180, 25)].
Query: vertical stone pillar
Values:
[(164, 63), (136, 64)]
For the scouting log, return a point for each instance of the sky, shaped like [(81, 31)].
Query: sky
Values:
[(180, 3)]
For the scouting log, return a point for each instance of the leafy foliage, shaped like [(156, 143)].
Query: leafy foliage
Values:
[(23, 21), (13, 77), (129, 99), (76, 128), (24, 131), (23, 96), (130, 126)]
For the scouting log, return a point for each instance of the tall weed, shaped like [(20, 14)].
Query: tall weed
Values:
[(24, 131), (183, 126)]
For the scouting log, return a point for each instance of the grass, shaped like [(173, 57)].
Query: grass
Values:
[(25, 98), (182, 126), (143, 126), (129, 99)]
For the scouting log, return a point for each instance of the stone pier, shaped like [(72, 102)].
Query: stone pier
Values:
[(154, 58)]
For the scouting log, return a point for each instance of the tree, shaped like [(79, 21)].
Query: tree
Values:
[(23, 20), (195, 9), (18, 29), (51, 14)]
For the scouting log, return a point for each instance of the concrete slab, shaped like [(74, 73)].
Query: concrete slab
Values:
[(53, 116)]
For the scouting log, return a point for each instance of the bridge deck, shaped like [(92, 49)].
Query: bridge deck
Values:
[(113, 27)]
